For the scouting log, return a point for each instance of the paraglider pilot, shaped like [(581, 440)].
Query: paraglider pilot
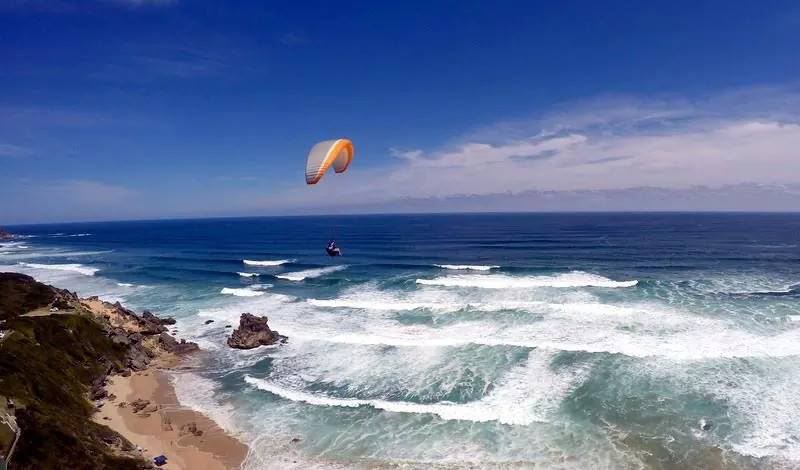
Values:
[(332, 249)]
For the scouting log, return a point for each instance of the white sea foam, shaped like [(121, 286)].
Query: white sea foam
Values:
[(501, 281), (278, 262), (370, 304), (125, 284), (67, 235), (74, 277), (201, 394), (13, 246), (241, 291), (233, 309), (248, 274), (758, 397), (583, 307), (743, 284), (73, 267), (466, 267), (22, 254), (309, 273), (527, 393), (636, 332), (766, 401)]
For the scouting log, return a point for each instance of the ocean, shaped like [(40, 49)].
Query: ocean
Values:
[(470, 341)]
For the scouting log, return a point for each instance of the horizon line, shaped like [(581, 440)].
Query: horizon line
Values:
[(405, 214)]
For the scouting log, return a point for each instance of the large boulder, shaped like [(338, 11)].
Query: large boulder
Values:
[(171, 345), (148, 316), (253, 332), (150, 324)]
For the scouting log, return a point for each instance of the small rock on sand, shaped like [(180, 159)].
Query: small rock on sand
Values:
[(190, 428), (139, 404)]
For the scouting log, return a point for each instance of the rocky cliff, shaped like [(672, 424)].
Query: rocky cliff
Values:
[(56, 353)]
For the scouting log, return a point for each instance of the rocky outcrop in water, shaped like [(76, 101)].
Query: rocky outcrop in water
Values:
[(253, 332), (5, 235)]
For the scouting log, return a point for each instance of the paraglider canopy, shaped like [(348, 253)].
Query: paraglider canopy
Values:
[(338, 153)]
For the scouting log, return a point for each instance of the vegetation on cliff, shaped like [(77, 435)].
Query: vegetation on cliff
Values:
[(48, 365)]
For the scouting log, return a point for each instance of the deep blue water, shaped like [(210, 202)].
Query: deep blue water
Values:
[(571, 340)]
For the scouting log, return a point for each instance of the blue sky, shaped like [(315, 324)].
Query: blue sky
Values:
[(116, 109)]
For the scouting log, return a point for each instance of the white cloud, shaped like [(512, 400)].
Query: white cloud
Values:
[(611, 143)]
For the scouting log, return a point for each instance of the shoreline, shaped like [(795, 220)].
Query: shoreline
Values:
[(187, 437), (144, 408)]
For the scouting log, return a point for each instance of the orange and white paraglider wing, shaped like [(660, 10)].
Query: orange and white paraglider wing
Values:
[(338, 153)]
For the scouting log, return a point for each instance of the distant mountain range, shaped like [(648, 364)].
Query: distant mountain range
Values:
[(741, 197)]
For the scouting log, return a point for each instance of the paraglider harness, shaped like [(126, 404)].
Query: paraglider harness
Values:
[(332, 249)]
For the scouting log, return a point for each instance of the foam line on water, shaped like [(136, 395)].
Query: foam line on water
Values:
[(685, 338), (526, 394), (251, 262), (248, 274), (466, 267), (13, 245), (74, 277), (70, 235), (252, 291), (502, 281), (72, 267), (637, 331), (309, 273), (374, 305)]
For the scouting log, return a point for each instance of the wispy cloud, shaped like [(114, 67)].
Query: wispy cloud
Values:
[(77, 6), (293, 38), (151, 62), (39, 116), (39, 6), (14, 151), (88, 193), (35, 199), (143, 3)]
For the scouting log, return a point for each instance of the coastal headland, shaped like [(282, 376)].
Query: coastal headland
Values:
[(85, 384)]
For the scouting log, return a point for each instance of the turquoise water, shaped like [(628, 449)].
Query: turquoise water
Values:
[(558, 341)]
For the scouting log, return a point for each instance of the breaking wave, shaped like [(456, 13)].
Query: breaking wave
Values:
[(248, 274), (501, 281), (69, 235), (309, 273), (526, 395), (252, 291), (251, 262), (466, 267), (73, 267)]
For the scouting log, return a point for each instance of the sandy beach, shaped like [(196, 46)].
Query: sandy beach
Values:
[(159, 425), (189, 439)]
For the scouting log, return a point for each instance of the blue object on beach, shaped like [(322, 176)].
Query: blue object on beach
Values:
[(160, 460)]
